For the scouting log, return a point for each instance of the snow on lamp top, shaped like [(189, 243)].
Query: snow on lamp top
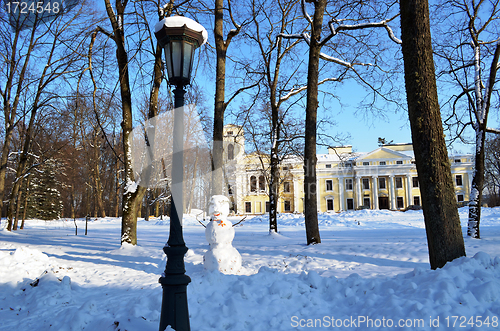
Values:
[(181, 21)]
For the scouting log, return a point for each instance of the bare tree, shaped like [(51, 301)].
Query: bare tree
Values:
[(345, 11), (38, 93), (469, 45), (442, 223), (492, 170), (281, 83), (135, 188), (221, 104)]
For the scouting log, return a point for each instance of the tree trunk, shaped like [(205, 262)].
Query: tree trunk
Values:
[(133, 193), (117, 187), (72, 199), (10, 106), (220, 85), (275, 173), (97, 182), (442, 223), (482, 110), (148, 199), (3, 165), (157, 203), (310, 189), (25, 203), (476, 194), (18, 206)]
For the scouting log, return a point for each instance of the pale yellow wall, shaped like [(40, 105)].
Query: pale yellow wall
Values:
[(250, 162), (381, 154)]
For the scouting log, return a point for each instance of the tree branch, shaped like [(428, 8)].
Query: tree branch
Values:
[(343, 27)]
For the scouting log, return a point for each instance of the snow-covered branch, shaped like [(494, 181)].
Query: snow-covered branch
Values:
[(344, 27), (492, 79), (491, 130), (323, 56), (295, 91), (304, 12)]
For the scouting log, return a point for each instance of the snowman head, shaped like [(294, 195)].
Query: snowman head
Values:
[(218, 207)]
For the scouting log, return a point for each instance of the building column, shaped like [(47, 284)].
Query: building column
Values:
[(392, 193), (318, 196), (409, 185), (470, 176), (341, 193), (375, 192), (358, 192), (295, 195)]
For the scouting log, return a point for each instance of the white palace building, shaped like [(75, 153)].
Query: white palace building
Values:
[(385, 178)]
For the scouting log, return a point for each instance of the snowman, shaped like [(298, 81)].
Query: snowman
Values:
[(221, 255)]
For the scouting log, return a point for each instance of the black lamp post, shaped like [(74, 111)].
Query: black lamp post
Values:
[(179, 37)]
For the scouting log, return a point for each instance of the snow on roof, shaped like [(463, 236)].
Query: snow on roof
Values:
[(339, 157), (408, 153), (179, 21)]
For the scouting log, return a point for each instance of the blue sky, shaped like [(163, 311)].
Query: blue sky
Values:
[(364, 129)]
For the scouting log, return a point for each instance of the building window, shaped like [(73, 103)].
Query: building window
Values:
[(458, 180), (458, 161), (381, 183), (416, 201), (286, 187), (262, 183), (288, 206), (329, 185), (366, 163), (366, 183), (328, 166), (348, 184), (253, 184), (230, 133), (230, 152), (268, 206), (399, 202), (248, 207), (329, 204), (366, 202), (350, 204), (415, 182), (285, 168), (460, 198), (382, 163), (399, 162), (399, 182)]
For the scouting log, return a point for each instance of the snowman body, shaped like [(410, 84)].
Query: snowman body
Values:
[(221, 255)]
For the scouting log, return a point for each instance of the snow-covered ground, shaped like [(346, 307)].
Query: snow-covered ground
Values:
[(370, 272)]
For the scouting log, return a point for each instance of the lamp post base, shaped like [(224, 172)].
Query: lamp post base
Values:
[(174, 307)]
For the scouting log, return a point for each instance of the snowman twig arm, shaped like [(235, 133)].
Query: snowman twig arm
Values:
[(239, 221), (201, 222)]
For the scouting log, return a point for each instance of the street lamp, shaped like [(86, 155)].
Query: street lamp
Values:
[(179, 37)]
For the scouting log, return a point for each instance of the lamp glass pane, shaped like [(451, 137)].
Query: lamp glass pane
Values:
[(188, 55), (176, 58), (168, 57)]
